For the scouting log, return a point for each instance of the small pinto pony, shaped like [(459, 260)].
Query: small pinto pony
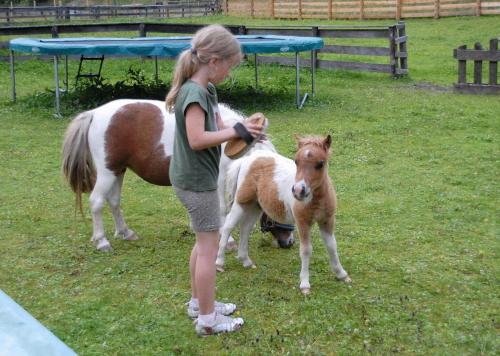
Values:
[(100, 145), (287, 192)]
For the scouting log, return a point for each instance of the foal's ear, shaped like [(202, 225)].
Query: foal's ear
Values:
[(298, 139), (327, 142)]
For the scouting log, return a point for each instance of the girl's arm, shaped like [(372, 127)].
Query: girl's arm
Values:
[(199, 139)]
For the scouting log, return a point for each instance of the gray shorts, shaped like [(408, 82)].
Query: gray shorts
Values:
[(203, 208)]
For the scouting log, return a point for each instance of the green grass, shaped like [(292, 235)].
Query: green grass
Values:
[(416, 171)]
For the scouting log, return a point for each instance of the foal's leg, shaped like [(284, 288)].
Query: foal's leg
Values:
[(328, 236), (114, 198), (305, 256), (103, 185)]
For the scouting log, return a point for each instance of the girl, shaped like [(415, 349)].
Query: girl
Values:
[(195, 163)]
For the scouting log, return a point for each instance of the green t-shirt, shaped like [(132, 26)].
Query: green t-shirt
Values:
[(194, 170)]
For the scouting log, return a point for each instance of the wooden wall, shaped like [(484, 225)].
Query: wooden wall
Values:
[(359, 9)]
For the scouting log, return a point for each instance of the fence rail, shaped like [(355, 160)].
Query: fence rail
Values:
[(395, 53), (66, 13), (478, 55), (359, 9)]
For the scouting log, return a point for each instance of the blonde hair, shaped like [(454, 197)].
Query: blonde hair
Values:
[(210, 42)]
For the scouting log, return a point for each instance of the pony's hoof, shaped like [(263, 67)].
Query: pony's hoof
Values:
[(219, 268), (305, 291)]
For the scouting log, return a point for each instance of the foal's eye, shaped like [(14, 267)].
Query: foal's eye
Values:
[(320, 165)]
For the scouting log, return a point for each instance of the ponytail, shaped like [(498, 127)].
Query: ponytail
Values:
[(185, 67), (212, 41)]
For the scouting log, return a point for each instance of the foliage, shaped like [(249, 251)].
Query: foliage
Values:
[(417, 227)]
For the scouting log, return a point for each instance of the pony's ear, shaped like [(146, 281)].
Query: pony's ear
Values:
[(327, 142)]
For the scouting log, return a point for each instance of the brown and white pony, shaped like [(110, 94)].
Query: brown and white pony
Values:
[(100, 145), (287, 192)]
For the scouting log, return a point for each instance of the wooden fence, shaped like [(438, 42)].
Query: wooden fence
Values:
[(395, 54), (173, 9), (478, 55), (359, 9)]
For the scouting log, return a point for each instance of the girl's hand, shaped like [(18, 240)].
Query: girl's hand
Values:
[(254, 129), (256, 124)]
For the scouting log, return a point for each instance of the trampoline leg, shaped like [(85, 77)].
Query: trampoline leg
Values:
[(297, 79), (313, 73), (256, 73), (156, 68), (66, 85), (12, 76), (56, 78)]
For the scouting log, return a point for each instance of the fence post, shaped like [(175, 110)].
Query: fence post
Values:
[(437, 9), (142, 30), (314, 57), (272, 9), (392, 49), (398, 10), (402, 46), (478, 7), (330, 9), (462, 66), (493, 64), (242, 30), (54, 31), (252, 8), (478, 66)]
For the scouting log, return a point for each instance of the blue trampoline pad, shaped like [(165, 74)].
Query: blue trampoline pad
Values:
[(157, 46), (23, 335)]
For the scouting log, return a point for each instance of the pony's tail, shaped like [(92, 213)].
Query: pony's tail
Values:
[(77, 164)]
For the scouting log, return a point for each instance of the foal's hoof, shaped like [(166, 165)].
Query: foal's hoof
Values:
[(305, 291), (219, 268)]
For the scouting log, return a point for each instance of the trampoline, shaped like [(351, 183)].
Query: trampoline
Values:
[(167, 47)]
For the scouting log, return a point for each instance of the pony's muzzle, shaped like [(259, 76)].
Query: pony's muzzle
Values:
[(286, 242)]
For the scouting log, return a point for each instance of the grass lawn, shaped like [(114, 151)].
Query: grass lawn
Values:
[(416, 170)]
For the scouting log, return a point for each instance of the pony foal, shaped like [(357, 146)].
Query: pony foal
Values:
[(287, 192)]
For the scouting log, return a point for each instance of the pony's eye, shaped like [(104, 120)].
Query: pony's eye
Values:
[(295, 162), (319, 165)]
